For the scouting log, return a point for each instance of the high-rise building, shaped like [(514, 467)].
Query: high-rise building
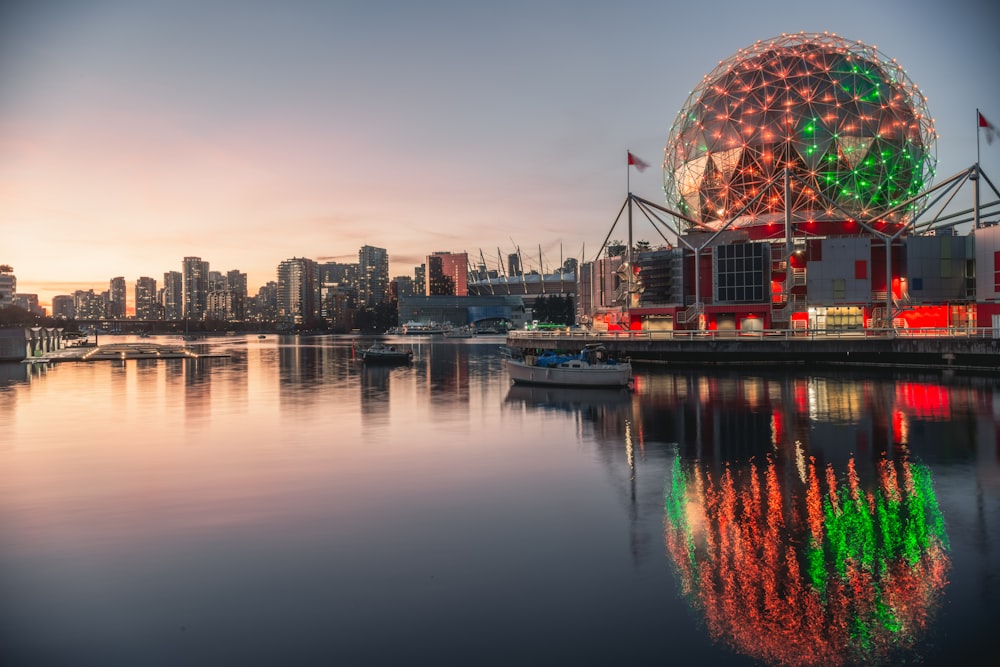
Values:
[(438, 283), (448, 274), (298, 291), (402, 286), (237, 283), (420, 279), (338, 294), (373, 276), (570, 265), (343, 276), (29, 302), (513, 264), (264, 306), (146, 307), (8, 285), (116, 298), (173, 295), (62, 306), (195, 275), (88, 305), (216, 281), (336, 308), (220, 305)]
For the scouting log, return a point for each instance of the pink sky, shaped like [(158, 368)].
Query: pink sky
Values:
[(135, 134)]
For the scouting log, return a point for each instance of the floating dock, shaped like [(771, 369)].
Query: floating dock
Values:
[(121, 352)]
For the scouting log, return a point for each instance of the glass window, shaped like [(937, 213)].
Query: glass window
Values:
[(839, 288)]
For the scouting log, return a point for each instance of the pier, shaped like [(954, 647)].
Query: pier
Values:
[(973, 350), (121, 352)]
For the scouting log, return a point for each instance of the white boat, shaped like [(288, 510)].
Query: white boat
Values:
[(421, 329), (380, 353), (590, 368), (461, 332)]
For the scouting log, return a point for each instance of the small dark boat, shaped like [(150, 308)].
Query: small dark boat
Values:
[(380, 353)]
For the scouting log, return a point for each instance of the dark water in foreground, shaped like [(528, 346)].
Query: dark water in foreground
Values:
[(288, 506)]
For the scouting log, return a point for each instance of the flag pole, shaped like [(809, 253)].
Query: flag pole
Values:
[(975, 183), (628, 255), (628, 172)]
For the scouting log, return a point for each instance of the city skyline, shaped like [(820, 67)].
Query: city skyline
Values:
[(499, 264), (178, 294), (134, 135)]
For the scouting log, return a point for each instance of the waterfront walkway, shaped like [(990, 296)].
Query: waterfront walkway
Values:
[(966, 349)]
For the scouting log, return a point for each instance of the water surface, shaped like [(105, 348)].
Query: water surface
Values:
[(288, 505)]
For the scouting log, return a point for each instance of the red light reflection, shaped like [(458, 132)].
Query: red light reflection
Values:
[(813, 571)]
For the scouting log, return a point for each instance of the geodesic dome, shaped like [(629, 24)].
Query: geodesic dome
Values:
[(848, 123)]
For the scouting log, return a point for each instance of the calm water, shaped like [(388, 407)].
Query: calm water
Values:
[(288, 506)]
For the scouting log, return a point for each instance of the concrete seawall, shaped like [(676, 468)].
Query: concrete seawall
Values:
[(26, 342), (980, 354)]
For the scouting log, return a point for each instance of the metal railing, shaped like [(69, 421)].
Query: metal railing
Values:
[(767, 334), (691, 313)]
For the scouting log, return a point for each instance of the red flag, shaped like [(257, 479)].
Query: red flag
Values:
[(990, 129), (633, 161)]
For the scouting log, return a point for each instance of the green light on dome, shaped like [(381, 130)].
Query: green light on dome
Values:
[(837, 84)]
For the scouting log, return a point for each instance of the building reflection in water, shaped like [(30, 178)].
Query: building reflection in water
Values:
[(443, 370), (606, 410), (793, 560), (604, 416), (825, 571), (314, 362), (374, 393)]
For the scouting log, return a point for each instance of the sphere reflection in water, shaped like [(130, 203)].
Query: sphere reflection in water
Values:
[(812, 567)]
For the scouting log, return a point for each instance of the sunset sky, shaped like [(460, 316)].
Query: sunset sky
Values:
[(134, 133)]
